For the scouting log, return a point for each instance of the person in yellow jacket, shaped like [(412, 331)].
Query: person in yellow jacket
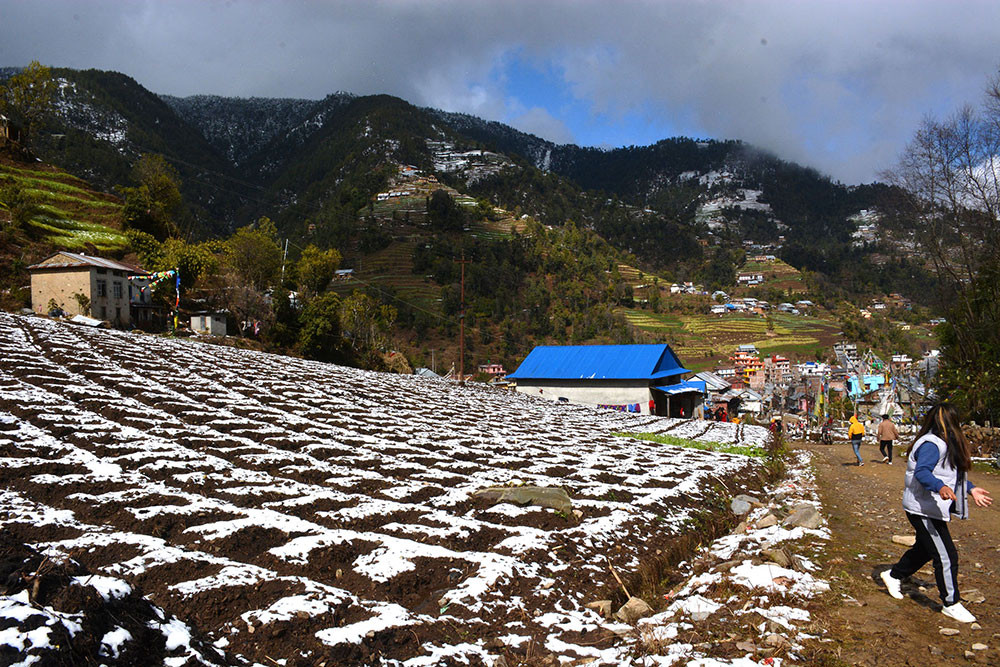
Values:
[(855, 432)]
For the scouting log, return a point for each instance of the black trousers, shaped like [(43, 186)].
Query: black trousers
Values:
[(933, 543), (884, 445)]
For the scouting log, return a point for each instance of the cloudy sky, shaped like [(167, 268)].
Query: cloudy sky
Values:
[(839, 85)]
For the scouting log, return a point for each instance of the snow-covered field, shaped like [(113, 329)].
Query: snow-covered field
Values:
[(295, 512)]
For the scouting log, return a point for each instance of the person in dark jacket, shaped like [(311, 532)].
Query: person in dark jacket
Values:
[(936, 487)]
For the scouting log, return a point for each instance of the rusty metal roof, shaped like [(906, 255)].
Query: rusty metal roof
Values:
[(72, 260)]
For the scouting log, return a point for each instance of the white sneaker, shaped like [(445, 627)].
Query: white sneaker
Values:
[(894, 586), (885, 459), (959, 613)]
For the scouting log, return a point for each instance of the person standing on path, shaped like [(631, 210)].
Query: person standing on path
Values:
[(936, 487), (855, 432), (887, 434)]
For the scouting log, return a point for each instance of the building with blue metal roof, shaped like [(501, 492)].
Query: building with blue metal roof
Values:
[(635, 378)]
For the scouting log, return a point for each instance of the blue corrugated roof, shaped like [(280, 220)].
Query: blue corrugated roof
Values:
[(599, 362), (686, 387)]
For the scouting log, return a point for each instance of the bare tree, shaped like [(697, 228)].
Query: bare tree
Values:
[(950, 173)]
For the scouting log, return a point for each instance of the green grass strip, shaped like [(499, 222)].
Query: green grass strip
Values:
[(665, 439)]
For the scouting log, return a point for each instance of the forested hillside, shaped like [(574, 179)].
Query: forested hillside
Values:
[(400, 193)]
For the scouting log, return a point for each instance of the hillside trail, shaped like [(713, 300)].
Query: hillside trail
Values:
[(867, 626)]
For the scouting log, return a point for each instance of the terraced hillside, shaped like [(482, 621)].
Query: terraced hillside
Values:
[(391, 270), (300, 513), (777, 275), (70, 215), (702, 340)]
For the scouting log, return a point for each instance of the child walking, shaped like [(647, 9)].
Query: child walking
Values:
[(936, 487)]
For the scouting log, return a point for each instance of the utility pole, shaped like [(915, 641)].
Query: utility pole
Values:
[(461, 328), (283, 256)]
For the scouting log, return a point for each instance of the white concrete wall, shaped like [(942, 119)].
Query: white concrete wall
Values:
[(590, 392)]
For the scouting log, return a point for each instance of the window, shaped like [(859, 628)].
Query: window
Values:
[(116, 289), (104, 312), (102, 288)]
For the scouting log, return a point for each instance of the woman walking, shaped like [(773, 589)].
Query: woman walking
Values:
[(855, 432), (936, 487)]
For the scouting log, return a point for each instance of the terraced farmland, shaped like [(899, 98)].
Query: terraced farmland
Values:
[(777, 274), (392, 269), (70, 214), (281, 511), (701, 340)]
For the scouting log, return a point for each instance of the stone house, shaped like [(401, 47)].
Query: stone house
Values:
[(75, 280)]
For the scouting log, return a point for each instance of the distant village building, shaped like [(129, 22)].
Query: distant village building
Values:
[(718, 394), (426, 373), (495, 370), (749, 278), (900, 362), (750, 401), (620, 377), (777, 369), (209, 323), (896, 300), (74, 280)]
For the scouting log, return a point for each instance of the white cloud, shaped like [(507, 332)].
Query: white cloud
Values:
[(540, 122), (840, 86)]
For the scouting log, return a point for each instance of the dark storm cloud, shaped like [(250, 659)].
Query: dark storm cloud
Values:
[(838, 85)]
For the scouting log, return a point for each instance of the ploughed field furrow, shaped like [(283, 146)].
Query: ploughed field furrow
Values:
[(329, 509)]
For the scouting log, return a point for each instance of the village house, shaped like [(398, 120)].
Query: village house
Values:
[(896, 300), (494, 370), (80, 284), (750, 401), (209, 323), (749, 279), (777, 369), (900, 362), (718, 394), (621, 377)]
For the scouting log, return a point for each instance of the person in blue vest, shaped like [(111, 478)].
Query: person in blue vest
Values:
[(936, 486)]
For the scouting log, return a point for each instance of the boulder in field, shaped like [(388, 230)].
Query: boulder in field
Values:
[(633, 610)]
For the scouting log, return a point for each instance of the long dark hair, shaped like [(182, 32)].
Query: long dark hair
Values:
[(942, 420)]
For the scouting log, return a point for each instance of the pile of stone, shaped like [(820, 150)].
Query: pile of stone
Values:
[(984, 440), (744, 596)]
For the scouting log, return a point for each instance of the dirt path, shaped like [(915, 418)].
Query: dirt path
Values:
[(863, 506)]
